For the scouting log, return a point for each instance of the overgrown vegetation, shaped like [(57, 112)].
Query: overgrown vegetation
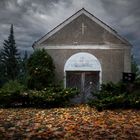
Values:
[(14, 94), (40, 69), (9, 58), (29, 82), (134, 68), (25, 82), (119, 95), (23, 75), (114, 96)]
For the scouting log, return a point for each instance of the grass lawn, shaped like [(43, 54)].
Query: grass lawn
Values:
[(73, 123)]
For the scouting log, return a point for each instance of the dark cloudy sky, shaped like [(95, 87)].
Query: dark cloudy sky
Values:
[(34, 18)]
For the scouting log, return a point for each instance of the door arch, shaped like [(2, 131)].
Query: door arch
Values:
[(85, 68)]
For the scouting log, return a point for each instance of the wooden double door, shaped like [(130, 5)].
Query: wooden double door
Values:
[(87, 82)]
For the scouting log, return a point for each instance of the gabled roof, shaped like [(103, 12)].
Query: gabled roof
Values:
[(74, 16)]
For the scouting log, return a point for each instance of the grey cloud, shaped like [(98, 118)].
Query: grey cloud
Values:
[(34, 18), (125, 14), (126, 20)]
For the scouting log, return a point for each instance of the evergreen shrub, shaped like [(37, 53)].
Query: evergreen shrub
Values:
[(40, 70), (15, 95), (10, 93), (114, 96)]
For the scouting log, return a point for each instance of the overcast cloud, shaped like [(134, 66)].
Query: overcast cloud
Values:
[(34, 18)]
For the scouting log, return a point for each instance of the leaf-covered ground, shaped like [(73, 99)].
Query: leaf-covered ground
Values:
[(74, 123)]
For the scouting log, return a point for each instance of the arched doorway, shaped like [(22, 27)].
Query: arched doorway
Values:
[(83, 71)]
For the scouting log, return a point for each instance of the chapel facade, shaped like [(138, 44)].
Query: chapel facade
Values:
[(86, 52)]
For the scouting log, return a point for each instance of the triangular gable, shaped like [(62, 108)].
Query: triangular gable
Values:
[(70, 19)]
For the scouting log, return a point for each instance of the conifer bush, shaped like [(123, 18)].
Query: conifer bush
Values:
[(13, 94), (114, 96), (51, 97), (10, 93), (40, 69)]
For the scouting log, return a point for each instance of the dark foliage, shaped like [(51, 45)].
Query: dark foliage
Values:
[(113, 96), (23, 74), (2, 72), (13, 94), (134, 67), (9, 58), (40, 69), (10, 93)]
